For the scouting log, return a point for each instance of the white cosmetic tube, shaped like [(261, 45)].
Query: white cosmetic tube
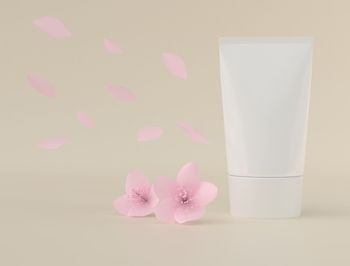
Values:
[(265, 90)]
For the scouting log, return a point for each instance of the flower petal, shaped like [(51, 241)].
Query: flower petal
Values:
[(41, 85), (190, 213), (140, 210), (193, 133), (206, 193), (188, 177), (53, 27), (149, 133), (146, 208), (112, 47), (175, 64), (165, 209), (121, 93), (122, 205), (135, 180), (153, 198), (164, 187), (52, 144), (85, 120)]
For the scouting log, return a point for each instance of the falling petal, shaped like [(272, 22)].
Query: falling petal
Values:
[(41, 85), (149, 133), (175, 65), (193, 133), (52, 144), (121, 93), (53, 27), (85, 120), (112, 47)]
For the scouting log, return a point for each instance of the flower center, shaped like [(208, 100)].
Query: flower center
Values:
[(139, 196), (183, 197)]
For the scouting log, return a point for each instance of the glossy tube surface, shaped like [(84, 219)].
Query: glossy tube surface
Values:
[(266, 89)]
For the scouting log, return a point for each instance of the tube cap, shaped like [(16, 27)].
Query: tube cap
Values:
[(265, 197)]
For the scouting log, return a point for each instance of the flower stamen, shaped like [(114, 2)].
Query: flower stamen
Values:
[(183, 197), (138, 196)]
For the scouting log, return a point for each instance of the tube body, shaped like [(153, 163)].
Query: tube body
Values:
[(265, 90)]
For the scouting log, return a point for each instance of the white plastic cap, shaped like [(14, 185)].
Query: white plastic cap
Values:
[(265, 197)]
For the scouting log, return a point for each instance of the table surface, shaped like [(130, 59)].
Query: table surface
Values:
[(49, 222)]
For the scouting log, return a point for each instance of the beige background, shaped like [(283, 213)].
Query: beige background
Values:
[(55, 206)]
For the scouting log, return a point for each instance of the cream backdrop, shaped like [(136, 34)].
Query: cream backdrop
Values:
[(56, 205)]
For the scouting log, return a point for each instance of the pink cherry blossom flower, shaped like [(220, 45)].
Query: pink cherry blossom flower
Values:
[(185, 199), (139, 199)]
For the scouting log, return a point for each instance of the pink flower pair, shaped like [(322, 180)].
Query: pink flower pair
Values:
[(172, 201)]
